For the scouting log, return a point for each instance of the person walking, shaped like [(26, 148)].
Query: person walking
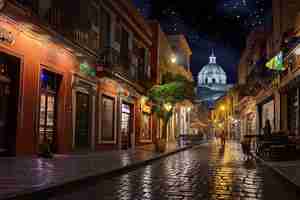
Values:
[(246, 147), (223, 138), (267, 129)]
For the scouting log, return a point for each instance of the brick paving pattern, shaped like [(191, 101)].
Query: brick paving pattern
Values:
[(208, 172)]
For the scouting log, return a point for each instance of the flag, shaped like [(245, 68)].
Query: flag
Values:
[(276, 63)]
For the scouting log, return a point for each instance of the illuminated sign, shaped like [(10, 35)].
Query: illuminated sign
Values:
[(87, 69), (276, 63)]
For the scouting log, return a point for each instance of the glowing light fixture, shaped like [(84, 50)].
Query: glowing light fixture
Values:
[(222, 108), (173, 59), (168, 106)]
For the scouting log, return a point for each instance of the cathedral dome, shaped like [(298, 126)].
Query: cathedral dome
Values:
[(212, 73)]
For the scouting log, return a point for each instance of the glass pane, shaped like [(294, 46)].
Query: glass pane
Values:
[(50, 111), (125, 123), (107, 119), (125, 108), (42, 109)]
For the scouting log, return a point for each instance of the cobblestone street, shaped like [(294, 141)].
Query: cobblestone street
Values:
[(208, 172)]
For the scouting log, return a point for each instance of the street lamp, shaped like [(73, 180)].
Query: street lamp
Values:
[(189, 109)]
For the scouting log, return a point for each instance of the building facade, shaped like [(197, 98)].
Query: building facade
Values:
[(165, 49), (74, 78), (272, 95)]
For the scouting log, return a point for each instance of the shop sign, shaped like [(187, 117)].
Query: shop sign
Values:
[(6, 36), (87, 69)]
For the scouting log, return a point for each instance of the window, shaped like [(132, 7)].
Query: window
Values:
[(94, 40), (118, 31), (94, 35), (107, 119), (213, 81), (105, 28), (94, 15), (126, 125), (48, 100), (124, 48), (147, 64)]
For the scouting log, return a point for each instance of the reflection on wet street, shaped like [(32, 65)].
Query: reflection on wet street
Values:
[(207, 172)]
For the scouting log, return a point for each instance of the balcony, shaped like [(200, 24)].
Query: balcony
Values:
[(259, 77), (112, 62)]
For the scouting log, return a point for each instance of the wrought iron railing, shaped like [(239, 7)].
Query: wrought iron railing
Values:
[(112, 61)]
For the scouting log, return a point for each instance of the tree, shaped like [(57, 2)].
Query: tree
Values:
[(174, 89)]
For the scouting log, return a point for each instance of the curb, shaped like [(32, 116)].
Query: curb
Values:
[(277, 171), (50, 190)]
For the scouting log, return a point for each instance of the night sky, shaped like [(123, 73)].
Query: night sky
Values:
[(218, 24)]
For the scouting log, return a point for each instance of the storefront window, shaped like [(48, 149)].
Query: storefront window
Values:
[(268, 114), (48, 100), (108, 112), (125, 118), (126, 125)]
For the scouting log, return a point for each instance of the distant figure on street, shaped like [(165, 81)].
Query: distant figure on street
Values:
[(246, 147), (267, 128), (223, 138)]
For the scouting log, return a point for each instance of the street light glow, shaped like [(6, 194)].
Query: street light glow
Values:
[(168, 107), (222, 107), (173, 59)]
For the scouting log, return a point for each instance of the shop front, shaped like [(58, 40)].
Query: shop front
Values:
[(266, 110), (290, 114), (117, 115), (36, 91), (9, 102), (84, 110)]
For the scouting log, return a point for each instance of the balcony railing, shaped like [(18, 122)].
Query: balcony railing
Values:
[(112, 61)]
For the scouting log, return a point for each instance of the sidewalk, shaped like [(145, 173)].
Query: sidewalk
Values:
[(20, 176), (290, 170)]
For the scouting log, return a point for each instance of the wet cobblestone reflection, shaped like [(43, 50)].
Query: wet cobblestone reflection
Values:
[(208, 172)]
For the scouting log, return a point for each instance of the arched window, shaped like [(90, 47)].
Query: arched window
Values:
[(206, 80), (213, 80)]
